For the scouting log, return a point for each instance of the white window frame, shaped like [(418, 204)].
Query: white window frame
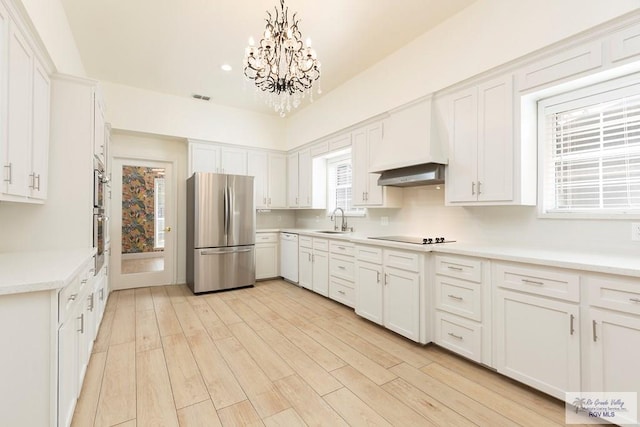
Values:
[(625, 86), (331, 205)]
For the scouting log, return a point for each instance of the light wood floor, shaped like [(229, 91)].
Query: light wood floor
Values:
[(276, 354)]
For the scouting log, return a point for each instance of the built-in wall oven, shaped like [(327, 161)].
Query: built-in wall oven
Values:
[(99, 217)]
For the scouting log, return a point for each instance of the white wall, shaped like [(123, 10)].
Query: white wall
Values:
[(139, 110), (50, 21), (487, 34), (162, 149), (424, 214)]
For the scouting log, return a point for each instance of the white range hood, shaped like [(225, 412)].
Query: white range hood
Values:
[(409, 138)]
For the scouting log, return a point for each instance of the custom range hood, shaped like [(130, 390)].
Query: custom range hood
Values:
[(411, 176)]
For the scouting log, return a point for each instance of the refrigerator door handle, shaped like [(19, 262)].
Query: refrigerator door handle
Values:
[(225, 251), (226, 211)]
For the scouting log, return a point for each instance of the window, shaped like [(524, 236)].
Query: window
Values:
[(591, 150), (340, 186)]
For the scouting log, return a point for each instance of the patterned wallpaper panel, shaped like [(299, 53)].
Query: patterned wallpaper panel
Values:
[(138, 209)]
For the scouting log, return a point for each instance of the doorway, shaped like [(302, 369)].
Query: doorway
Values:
[(143, 214)]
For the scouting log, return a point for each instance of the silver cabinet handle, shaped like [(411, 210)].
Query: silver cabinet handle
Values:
[(455, 297), (386, 278), (473, 188), (313, 258), (309, 255), (9, 177), (636, 300), (269, 201), (341, 292), (479, 184), (91, 303), (571, 319), (341, 267), (458, 337), (593, 327), (81, 319), (451, 267), (378, 276), (33, 181), (38, 181), (72, 297), (101, 294), (532, 282)]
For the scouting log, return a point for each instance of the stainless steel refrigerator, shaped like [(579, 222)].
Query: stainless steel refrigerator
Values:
[(221, 220)]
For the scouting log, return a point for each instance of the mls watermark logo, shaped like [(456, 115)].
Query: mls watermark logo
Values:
[(595, 407)]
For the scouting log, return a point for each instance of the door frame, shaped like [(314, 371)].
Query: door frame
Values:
[(128, 281)]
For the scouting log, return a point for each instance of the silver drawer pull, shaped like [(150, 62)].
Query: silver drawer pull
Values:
[(636, 300), (458, 337), (571, 319), (81, 319), (342, 248), (532, 282), (455, 297), (593, 325), (72, 297), (341, 267), (341, 292), (451, 267)]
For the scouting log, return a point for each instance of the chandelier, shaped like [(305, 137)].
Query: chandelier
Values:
[(281, 65)]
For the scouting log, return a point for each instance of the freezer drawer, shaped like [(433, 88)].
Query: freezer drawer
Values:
[(217, 269)]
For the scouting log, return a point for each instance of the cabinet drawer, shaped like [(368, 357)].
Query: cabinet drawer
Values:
[(409, 261), (344, 248), (320, 244), (342, 266), (459, 335), (615, 293), (266, 237), (539, 281), (566, 64), (459, 267), (305, 241), (369, 254), (459, 297), (67, 297), (342, 291)]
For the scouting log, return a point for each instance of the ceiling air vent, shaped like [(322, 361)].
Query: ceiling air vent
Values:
[(202, 97)]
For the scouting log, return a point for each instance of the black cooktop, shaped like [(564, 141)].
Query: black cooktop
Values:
[(414, 240)]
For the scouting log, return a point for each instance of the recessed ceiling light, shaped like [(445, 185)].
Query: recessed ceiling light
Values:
[(226, 67)]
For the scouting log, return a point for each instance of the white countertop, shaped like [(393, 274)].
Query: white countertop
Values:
[(40, 271), (626, 264)]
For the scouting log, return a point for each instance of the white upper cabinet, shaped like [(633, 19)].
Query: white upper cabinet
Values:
[(299, 180), (270, 182), (407, 138), (293, 199), (484, 165), (233, 161), (366, 191), (207, 157), (24, 115), (99, 135)]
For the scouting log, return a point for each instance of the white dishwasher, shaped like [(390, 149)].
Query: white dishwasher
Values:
[(289, 256)]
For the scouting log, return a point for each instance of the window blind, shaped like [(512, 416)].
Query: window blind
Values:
[(592, 161)]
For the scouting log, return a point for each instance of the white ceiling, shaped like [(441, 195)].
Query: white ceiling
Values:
[(178, 46)]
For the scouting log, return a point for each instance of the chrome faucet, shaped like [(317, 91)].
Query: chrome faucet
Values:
[(343, 225)]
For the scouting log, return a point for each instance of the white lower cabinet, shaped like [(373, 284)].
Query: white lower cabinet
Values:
[(342, 272), (267, 261), (313, 264), (538, 337), (463, 307), (389, 290)]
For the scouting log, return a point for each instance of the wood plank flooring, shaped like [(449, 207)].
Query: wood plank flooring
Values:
[(279, 355)]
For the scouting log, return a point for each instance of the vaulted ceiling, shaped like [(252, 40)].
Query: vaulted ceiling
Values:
[(177, 46)]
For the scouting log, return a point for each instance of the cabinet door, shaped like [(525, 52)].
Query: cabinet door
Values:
[(321, 272), (495, 140), (98, 128), (257, 166), (67, 370), (304, 178), (203, 158), (40, 147), (266, 261), (402, 302), (360, 164), (374, 140), (20, 79), (614, 348), (369, 291), (305, 268), (538, 342), (293, 200), (233, 161), (277, 194), (4, 37), (463, 147)]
